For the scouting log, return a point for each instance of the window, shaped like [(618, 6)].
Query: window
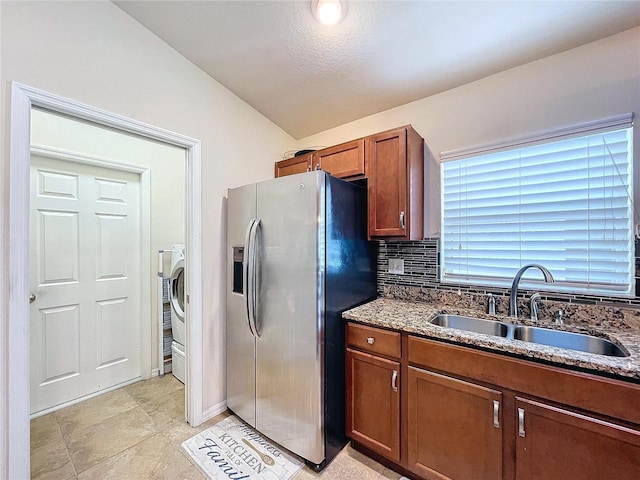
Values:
[(563, 200)]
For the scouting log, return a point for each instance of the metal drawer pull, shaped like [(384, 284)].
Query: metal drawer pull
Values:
[(521, 422), (370, 340), (394, 380), (402, 220), (496, 412)]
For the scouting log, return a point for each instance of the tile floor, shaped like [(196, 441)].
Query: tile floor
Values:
[(135, 433)]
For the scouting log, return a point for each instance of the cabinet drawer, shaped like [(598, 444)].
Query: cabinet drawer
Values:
[(375, 340)]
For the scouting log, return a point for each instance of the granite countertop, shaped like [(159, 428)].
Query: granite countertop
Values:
[(413, 317)]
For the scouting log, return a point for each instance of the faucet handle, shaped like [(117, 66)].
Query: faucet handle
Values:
[(559, 319), (491, 307), (534, 306)]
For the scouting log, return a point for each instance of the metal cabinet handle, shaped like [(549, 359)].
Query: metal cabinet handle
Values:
[(309, 168), (521, 422), (32, 298), (317, 166), (370, 340), (496, 413), (402, 220), (394, 381)]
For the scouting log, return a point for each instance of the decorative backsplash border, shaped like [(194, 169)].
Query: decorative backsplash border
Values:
[(421, 266)]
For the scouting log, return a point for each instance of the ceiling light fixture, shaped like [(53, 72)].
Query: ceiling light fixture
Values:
[(329, 12)]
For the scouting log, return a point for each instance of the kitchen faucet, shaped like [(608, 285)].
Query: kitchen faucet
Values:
[(513, 306)]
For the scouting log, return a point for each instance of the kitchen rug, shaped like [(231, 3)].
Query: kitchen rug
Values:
[(231, 450)]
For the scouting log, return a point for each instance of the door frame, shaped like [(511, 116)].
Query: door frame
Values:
[(144, 174), (14, 343)]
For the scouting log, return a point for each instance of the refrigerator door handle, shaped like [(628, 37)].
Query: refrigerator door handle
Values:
[(246, 284), (253, 278)]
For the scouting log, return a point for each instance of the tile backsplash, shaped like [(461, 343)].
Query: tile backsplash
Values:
[(421, 266)]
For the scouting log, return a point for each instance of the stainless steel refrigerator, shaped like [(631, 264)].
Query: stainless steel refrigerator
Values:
[(298, 256)]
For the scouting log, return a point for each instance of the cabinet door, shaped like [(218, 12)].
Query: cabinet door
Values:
[(373, 403), (294, 165), (394, 163), (553, 443), (342, 161), (454, 427), (387, 173)]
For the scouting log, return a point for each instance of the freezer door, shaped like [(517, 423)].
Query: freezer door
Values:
[(241, 386), (289, 356)]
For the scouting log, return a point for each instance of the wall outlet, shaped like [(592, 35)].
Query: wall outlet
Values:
[(396, 265)]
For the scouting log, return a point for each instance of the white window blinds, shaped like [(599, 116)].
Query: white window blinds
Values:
[(565, 204)]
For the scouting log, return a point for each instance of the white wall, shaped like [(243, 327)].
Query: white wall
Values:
[(167, 178), (95, 53), (594, 81)]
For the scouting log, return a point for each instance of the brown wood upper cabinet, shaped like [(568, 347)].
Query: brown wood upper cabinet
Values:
[(393, 163), (291, 166), (342, 161), (395, 169)]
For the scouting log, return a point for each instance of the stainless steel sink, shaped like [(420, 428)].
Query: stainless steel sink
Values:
[(470, 324), (572, 341), (539, 335)]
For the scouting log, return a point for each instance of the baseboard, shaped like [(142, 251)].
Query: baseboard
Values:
[(214, 411)]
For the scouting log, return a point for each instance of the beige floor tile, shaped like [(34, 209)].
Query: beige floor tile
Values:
[(166, 408), (90, 445), (154, 458), (136, 433), (45, 430), (147, 390), (362, 459), (352, 465), (348, 465), (51, 462), (94, 410), (387, 473)]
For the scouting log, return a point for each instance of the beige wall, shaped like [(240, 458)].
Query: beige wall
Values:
[(587, 83), (167, 183), (95, 53)]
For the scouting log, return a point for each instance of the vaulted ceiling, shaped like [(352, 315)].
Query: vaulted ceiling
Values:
[(308, 78)]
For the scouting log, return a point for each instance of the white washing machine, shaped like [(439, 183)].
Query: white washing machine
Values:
[(178, 329)]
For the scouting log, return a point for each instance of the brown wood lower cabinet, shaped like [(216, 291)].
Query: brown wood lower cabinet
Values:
[(556, 443), (474, 415), (373, 403), (454, 427)]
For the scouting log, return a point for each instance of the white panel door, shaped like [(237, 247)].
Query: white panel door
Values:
[(85, 274)]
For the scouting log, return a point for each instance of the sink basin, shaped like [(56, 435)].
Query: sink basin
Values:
[(539, 335), (470, 324), (572, 341)]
